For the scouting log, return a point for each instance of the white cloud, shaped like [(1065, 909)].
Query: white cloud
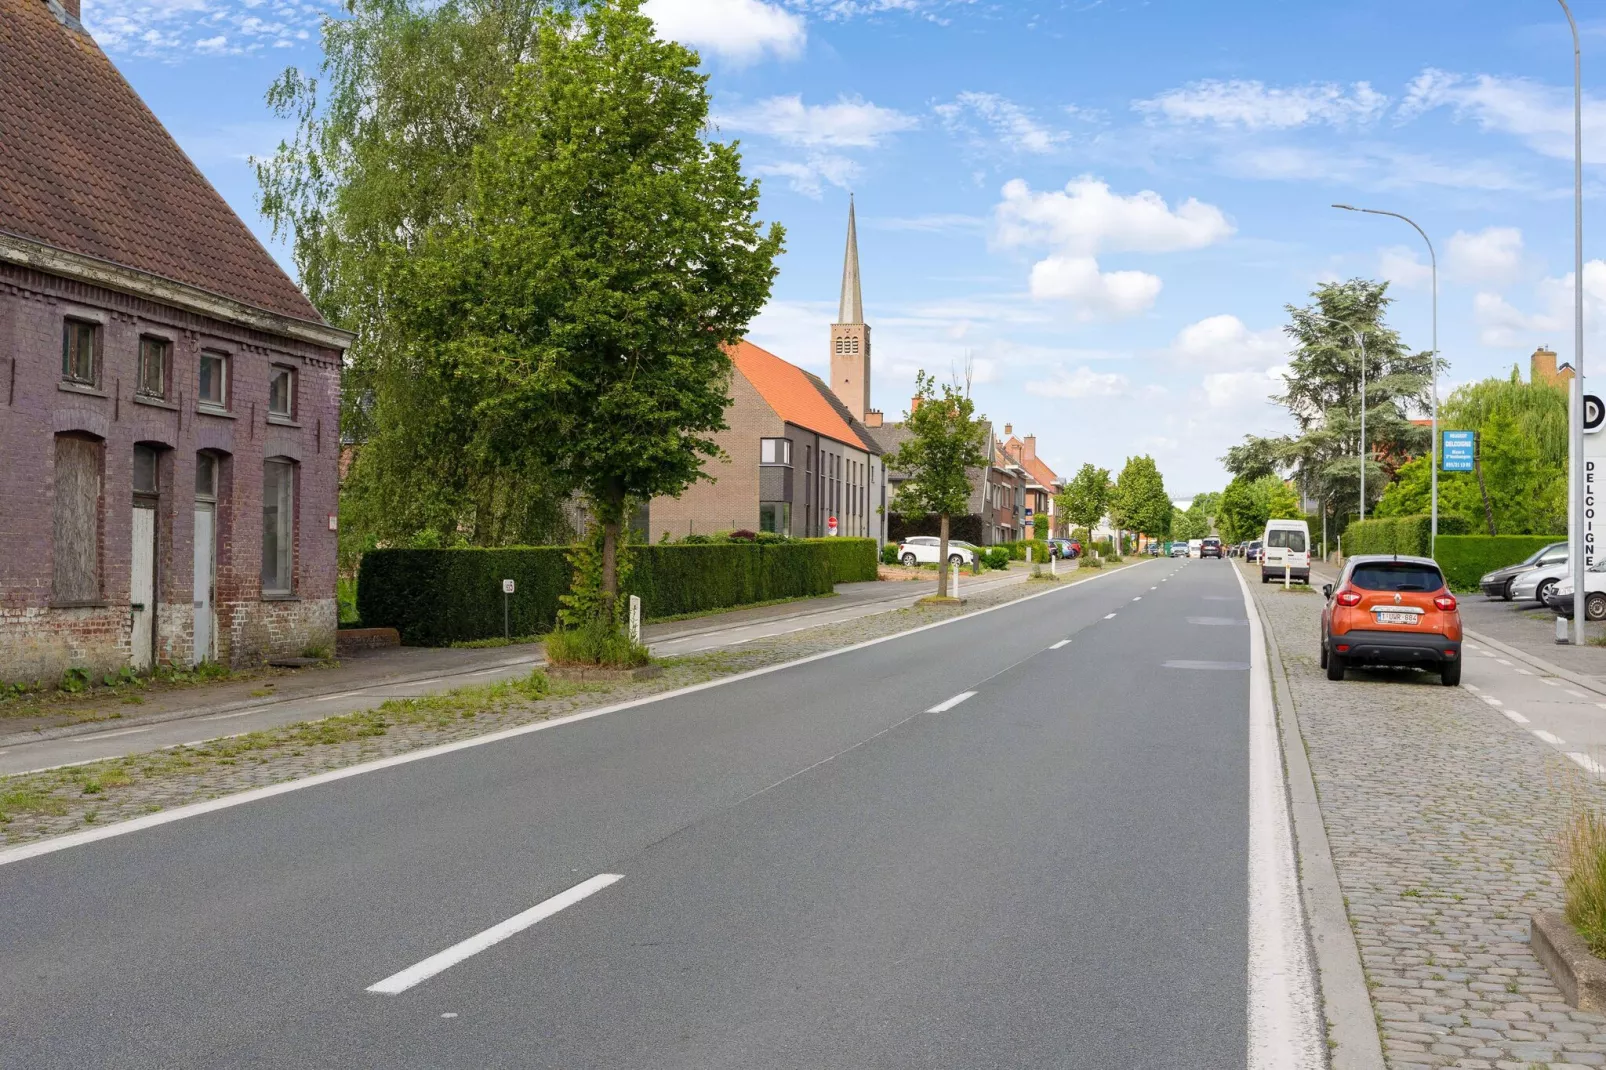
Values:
[(1084, 382), (741, 31), (172, 29), (849, 123), (1011, 124), (1086, 218), (810, 176), (1492, 255), (1503, 325), (1251, 105), (1400, 266), (1539, 115), (1093, 293), (1243, 390), (1225, 340)]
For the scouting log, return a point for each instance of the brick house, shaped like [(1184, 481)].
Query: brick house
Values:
[(995, 512), (1042, 483), (169, 399)]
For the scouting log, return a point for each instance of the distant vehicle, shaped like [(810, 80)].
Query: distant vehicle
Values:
[(1537, 584), (1561, 597), (1286, 550), (1210, 547), (1065, 549), (923, 550), (1179, 549), (1252, 551), (1194, 547), (1154, 549), (1498, 584), (1391, 610)]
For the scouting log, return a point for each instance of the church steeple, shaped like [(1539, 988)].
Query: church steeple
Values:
[(852, 310), (850, 337)]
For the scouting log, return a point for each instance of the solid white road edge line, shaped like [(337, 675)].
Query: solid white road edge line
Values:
[(1059, 644), (1515, 716), (1549, 737), (944, 707), (445, 960), (180, 813), (1284, 1020)]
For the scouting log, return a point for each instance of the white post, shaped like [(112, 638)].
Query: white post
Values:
[(1285, 570), (635, 619), (953, 581)]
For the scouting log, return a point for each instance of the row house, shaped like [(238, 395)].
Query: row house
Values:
[(1042, 483), (169, 399)]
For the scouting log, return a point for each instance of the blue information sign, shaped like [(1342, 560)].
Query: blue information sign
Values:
[(1457, 450)]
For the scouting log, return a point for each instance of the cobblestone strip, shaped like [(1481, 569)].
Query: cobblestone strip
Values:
[(55, 802), (1442, 817)]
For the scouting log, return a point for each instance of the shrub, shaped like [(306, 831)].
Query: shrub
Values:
[(435, 597), (1091, 561), (996, 557), (852, 560), (889, 554), (594, 644), (1465, 558), (1399, 534), (1039, 551), (1583, 864)]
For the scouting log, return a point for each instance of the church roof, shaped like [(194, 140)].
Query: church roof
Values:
[(852, 309)]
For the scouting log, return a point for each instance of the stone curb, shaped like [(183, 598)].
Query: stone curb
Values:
[(598, 674), (1346, 1001), (1579, 974)]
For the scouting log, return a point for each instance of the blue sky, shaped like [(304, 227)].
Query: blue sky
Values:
[(1102, 207)]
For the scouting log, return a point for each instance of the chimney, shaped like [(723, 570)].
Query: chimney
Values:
[(1542, 366), (1030, 451), (914, 403), (872, 418), (1009, 429)]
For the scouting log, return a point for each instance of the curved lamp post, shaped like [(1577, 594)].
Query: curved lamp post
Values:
[(1433, 452)]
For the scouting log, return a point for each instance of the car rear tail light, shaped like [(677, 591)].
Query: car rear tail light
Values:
[(1343, 648), (1445, 602), (1349, 598)]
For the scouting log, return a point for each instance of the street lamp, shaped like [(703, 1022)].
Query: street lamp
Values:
[(1576, 535), (1360, 343), (1433, 452)]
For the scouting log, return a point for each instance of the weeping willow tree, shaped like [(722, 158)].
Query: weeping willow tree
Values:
[(382, 155)]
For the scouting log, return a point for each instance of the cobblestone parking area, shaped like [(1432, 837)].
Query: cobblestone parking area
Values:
[(1443, 817), (58, 801)]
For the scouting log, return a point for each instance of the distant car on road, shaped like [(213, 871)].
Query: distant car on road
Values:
[(1252, 551), (1194, 547), (1179, 549), (1391, 610), (1498, 584), (1210, 547), (923, 550)]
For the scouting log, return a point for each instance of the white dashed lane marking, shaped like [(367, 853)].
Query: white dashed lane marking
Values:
[(1550, 737)]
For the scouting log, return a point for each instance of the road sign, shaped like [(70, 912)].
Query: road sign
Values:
[(830, 525), (1457, 450), (1028, 512), (507, 586)]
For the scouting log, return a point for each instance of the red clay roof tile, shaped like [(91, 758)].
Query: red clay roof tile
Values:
[(786, 389)]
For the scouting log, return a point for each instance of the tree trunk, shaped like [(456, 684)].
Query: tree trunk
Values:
[(614, 510), (942, 558), (1488, 511)]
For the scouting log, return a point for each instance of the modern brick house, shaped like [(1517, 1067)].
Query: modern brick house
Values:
[(169, 399), (1042, 482)]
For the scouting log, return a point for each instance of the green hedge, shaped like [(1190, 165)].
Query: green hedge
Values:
[(1465, 558), (1399, 534), (435, 597), (852, 560)]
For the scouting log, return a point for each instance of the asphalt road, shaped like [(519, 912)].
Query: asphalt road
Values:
[(827, 865)]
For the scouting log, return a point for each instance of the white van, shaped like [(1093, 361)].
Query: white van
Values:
[(1195, 546), (1285, 545)]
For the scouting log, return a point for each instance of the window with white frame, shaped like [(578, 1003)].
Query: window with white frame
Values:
[(212, 390), (282, 391), (775, 451)]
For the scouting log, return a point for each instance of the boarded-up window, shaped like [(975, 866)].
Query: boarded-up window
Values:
[(278, 526), (77, 520)]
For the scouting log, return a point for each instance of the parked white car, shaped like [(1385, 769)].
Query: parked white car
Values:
[(1536, 584), (923, 550), (1561, 598)]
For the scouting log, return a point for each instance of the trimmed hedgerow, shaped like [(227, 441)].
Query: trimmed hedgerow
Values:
[(435, 597), (852, 560), (1399, 534), (1465, 558)]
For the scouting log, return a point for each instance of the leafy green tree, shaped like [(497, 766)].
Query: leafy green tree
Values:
[(1086, 498), (1253, 458), (608, 258), (382, 156), (946, 441), (1139, 502), (1247, 504), (1193, 522)]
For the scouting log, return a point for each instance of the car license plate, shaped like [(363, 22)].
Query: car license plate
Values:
[(1385, 617)]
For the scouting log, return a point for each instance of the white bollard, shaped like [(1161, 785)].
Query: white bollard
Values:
[(1285, 575), (953, 581), (635, 619)]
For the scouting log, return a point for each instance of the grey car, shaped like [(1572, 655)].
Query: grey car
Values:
[(1499, 583)]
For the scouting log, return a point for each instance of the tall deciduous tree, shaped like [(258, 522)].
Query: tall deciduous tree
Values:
[(608, 257), (1247, 504), (1086, 498), (382, 156), (946, 441), (1139, 502)]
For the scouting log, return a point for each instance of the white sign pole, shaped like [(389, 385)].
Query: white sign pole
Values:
[(953, 581), (507, 590), (635, 619)]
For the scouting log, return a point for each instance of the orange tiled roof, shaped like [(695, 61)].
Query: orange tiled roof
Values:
[(1041, 473), (86, 167), (786, 388)]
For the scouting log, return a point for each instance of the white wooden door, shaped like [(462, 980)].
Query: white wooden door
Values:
[(205, 558), (142, 589)]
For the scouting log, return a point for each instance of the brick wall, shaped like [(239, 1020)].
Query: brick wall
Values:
[(731, 499), (40, 642)]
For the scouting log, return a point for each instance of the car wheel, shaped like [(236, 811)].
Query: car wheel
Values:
[(909, 559), (1595, 606), (1335, 666), (955, 559), (1451, 673), (1508, 594), (1542, 593)]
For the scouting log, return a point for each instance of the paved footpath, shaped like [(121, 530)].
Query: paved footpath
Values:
[(1442, 815)]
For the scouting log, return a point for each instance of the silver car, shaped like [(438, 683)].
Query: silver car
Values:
[(1535, 584)]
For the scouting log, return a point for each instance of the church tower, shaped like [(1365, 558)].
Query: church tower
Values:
[(850, 337)]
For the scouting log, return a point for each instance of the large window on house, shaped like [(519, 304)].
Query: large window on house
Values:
[(80, 352), (76, 534), (152, 373), (212, 390), (282, 391), (147, 464), (775, 451), (278, 526), (776, 517)]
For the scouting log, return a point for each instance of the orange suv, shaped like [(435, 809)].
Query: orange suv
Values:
[(1391, 611)]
